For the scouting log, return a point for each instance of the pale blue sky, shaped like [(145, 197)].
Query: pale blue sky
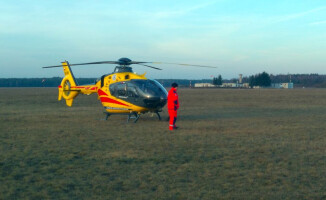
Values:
[(247, 37)]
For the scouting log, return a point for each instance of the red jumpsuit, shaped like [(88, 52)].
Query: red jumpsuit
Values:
[(173, 106)]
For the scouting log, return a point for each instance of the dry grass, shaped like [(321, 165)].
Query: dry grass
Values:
[(232, 144)]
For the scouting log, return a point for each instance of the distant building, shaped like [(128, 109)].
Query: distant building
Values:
[(230, 85), (197, 85), (282, 85), (276, 85), (236, 85), (245, 85), (287, 85), (224, 85)]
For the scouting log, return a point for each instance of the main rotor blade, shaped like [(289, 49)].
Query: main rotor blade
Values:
[(94, 63), (182, 64), (149, 66), (53, 66), (137, 62), (129, 62), (91, 63)]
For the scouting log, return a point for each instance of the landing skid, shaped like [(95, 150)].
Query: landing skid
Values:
[(107, 115), (158, 115), (133, 115)]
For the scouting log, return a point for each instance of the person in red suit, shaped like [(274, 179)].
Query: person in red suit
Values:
[(173, 105)]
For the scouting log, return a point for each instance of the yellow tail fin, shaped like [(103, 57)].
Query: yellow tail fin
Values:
[(67, 88)]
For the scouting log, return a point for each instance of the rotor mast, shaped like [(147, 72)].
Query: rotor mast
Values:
[(123, 66)]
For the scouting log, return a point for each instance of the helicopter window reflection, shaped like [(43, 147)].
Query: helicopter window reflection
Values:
[(136, 89), (118, 89), (148, 87), (131, 91), (122, 90)]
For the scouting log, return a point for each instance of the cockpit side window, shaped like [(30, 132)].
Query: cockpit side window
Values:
[(112, 89), (131, 90), (118, 89), (122, 89)]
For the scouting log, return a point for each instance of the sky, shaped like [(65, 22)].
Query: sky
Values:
[(238, 37)]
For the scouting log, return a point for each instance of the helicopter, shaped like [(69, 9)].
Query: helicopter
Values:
[(120, 92)]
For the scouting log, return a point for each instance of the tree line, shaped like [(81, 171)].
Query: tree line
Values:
[(299, 80), (262, 80), (56, 81), (39, 82), (265, 80)]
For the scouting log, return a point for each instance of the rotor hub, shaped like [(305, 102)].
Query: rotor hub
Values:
[(124, 61)]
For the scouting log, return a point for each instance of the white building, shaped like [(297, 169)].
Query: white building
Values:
[(230, 85), (282, 85), (204, 85), (236, 85), (287, 85)]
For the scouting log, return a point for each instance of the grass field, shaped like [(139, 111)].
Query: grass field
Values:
[(232, 144)]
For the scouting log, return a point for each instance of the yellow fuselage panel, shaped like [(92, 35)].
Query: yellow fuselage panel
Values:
[(115, 108), (124, 76), (116, 105)]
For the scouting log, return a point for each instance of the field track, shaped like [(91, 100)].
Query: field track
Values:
[(232, 144)]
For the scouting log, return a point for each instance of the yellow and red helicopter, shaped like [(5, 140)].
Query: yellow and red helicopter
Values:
[(121, 92)]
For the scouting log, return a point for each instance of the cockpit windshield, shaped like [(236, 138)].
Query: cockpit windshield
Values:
[(149, 87)]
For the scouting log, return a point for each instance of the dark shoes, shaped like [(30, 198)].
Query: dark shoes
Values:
[(174, 128)]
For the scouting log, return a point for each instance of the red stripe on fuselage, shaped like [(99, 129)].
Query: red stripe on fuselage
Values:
[(108, 100), (101, 93)]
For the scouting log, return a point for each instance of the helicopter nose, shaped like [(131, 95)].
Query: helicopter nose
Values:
[(163, 101), (164, 97), (151, 102), (155, 102)]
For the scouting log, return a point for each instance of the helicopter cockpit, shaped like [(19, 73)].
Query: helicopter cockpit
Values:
[(142, 92)]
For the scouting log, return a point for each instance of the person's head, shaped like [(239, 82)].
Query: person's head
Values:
[(174, 85)]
